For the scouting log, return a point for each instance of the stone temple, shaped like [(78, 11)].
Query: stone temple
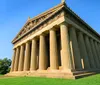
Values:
[(56, 44)]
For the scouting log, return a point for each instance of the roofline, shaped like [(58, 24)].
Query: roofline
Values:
[(69, 10), (83, 22)]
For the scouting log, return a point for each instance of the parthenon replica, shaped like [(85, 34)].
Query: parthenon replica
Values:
[(56, 44)]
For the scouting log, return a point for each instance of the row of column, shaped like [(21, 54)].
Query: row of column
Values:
[(85, 49), (78, 52), (24, 60)]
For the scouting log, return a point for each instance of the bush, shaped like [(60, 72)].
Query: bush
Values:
[(5, 65)]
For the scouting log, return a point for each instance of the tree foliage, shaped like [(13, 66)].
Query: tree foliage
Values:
[(5, 65)]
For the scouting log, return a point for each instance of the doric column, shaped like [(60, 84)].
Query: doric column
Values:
[(97, 50), (65, 48), (13, 61), (17, 59), (34, 55), (27, 57), (89, 51), (83, 51), (75, 49), (42, 53), (94, 53), (21, 59), (53, 50)]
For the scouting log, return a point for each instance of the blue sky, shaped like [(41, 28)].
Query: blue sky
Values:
[(14, 14)]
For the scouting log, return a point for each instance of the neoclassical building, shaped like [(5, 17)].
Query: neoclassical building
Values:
[(56, 44)]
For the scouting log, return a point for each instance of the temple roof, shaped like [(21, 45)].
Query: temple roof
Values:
[(34, 22)]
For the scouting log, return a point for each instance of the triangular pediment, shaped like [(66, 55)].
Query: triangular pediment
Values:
[(31, 23)]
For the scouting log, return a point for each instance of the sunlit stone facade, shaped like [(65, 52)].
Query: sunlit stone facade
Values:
[(58, 44)]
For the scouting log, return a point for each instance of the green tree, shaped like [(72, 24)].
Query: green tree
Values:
[(5, 65)]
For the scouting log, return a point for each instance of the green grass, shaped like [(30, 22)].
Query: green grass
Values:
[(92, 80), (1, 75)]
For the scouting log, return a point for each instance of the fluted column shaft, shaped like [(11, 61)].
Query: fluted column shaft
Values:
[(42, 53), (65, 48), (13, 61), (97, 50), (94, 53), (53, 50), (21, 59), (27, 57), (89, 51), (83, 51), (34, 55), (75, 49), (17, 59)]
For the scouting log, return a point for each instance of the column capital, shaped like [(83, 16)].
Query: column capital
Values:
[(53, 28), (28, 41), (85, 35), (64, 23), (91, 39), (42, 34), (22, 44), (18, 47), (14, 49), (80, 32)]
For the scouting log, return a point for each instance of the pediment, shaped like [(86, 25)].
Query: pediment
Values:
[(31, 23)]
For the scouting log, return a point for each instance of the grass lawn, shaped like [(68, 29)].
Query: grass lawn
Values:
[(91, 80)]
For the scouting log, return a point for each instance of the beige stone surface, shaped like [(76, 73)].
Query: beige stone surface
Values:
[(65, 48), (38, 52), (27, 57), (21, 59), (34, 55), (53, 50), (13, 60), (42, 53), (17, 59)]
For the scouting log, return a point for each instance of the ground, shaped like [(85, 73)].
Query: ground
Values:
[(91, 80)]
